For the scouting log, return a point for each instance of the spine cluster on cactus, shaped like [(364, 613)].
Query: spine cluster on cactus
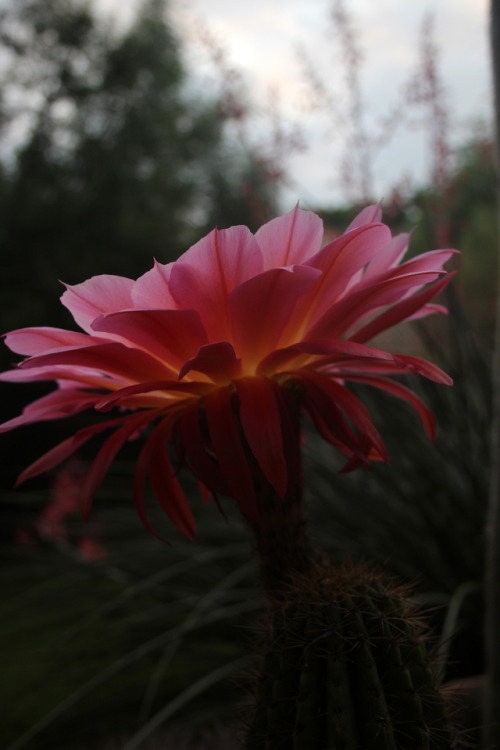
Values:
[(347, 667)]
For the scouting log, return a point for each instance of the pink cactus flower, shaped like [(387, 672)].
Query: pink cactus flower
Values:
[(224, 348)]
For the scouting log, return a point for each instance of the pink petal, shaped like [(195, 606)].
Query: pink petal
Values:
[(430, 309), (151, 290), (55, 405), (65, 449), (105, 457), (339, 262), (353, 307), (123, 395), (427, 262), (217, 361), (420, 366), (336, 349), (260, 418), (36, 340), (112, 358), (290, 239), (170, 335), (229, 451), (66, 377), (369, 215), (388, 257), (404, 310), (98, 295), (261, 309), (203, 277)]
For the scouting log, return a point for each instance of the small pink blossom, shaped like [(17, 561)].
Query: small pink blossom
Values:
[(216, 355)]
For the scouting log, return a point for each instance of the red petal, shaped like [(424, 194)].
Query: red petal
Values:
[(401, 391), (142, 469), (65, 449), (350, 405), (204, 466), (423, 367), (260, 418), (104, 458), (218, 361), (106, 403), (229, 451), (169, 492)]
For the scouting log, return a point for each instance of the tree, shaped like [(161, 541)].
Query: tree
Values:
[(118, 163)]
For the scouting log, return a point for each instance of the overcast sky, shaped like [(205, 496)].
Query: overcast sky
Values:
[(261, 37)]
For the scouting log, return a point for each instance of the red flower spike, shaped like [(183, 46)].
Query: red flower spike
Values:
[(260, 418), (225, 347)]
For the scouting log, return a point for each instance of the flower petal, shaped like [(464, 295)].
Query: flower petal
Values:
[(281, 359), (261, 422), (339, 262), (403, 310), (229, 451), (106, 455), (420, 366), (388, 257), (56, 405), (122, 396), (151, 290), (30, 341), (142, 469), (353, 307), (401, 391), (290, 239), (217, 361), (169, 492), (204, 466), (57, 454), (203, 277), (98, 295), (369, 215), (350, 405), (112, 358), (261, 309), (170, 335)]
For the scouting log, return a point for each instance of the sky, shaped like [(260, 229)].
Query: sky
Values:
[(267, 41)]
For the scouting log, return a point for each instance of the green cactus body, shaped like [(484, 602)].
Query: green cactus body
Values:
[(346, 667)]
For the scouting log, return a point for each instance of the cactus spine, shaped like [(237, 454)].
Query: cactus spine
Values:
[(346, 667)]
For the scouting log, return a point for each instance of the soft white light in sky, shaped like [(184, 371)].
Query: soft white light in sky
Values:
[(261, 38)]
